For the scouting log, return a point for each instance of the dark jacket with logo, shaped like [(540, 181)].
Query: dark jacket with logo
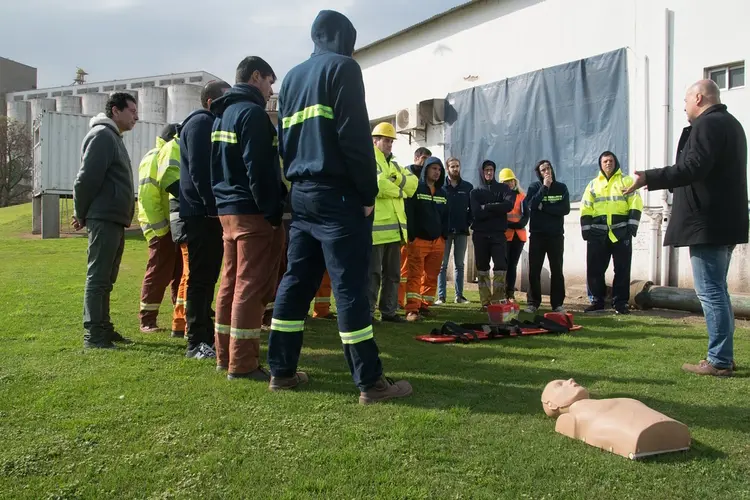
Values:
[(245, 173), (324, 129), (427, 211), (459, 207), (547, 206), (709, 182), (490, 204), (196, 196)]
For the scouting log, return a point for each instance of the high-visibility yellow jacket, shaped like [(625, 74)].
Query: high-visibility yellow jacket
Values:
[(158, 169), (606, 212), (395, 184)]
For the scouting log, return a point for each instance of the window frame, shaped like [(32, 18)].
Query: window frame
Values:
[(726, 68)]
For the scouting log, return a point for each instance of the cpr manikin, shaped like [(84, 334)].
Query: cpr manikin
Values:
[(622, 426)]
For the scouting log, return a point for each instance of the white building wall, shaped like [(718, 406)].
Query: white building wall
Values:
[(493, 40)]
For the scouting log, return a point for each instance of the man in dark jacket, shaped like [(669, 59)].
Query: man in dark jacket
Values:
[(709, 212), (201, 224), (548, 202), (104, 202), (246, 183), (490, 203), (325, 143), (459, 220), (427, 224)]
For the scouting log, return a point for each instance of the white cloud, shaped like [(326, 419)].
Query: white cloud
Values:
[(298, 14)]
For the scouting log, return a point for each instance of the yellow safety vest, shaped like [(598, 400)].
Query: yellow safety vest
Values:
[(606, 211), (394, 185), (152, 216)]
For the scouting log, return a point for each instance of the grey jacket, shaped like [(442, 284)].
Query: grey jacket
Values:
[(103, 188)]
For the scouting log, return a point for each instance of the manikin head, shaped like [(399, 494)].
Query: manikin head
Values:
[(700, 96), (558, 395), (122, 108), (454, 168)]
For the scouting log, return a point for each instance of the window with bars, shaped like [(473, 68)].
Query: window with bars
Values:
[(727, 77)]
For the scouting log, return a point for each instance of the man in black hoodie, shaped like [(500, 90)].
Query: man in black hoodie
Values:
[(201, 225), (490, 203), (246, 182), (325, 142), (548, 201)]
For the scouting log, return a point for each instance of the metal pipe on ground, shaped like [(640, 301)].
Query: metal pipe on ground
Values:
[(645, 295)]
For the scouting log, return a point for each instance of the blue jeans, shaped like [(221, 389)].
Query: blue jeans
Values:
[(710, 267), (458, 241)]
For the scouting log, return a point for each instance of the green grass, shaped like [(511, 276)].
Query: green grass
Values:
[(144, 422)]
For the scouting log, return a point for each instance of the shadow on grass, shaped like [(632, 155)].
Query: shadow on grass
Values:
[(697, 450)]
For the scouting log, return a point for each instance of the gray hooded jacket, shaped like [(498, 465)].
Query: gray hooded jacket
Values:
[(103, 188)]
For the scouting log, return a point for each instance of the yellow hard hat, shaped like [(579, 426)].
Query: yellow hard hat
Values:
[(384, 129), (506, 174)]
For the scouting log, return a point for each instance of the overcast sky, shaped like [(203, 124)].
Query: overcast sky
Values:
[(117, 39)]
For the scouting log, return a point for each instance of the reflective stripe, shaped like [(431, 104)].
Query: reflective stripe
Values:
[(401, 186), (553, 198), (608, 198), (180, 302), (322, 300), (318, 110), (224, 136), (290, 326), (222, 329), (428, 298), (618, 225), (158, 225), (148, 180), (412, 295), (149, 307), (174, 216), (386, 227), (587, 203), (244, 333), (356, 337), (174, 163), (634, 222), (587, 227), (603, 227), (404, 280), (286, 217), (439, 200)]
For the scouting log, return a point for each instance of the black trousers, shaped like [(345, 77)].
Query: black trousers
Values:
[(551, 246), (490, 246), (515, 249), (205, 252), (598, 254)]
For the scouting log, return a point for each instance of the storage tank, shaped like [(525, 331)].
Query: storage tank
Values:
[(39, 105), (20, 111), (152, 104), (182, 100), (93, 104), (68, 104)]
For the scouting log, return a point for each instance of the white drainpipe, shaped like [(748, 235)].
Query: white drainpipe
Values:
[(666, 262)]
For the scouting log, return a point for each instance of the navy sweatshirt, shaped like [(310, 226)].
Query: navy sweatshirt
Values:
[(459, 208), (547, 206), (490, 204), (324, 130), (245, 172), (427, 212), (196, 196)]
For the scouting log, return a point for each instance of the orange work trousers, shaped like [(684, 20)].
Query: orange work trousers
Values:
[(178, 317), (424, 260), (322, 301), (404, 276)]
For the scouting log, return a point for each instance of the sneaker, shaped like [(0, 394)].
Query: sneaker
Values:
[(622, 309), (462, 300), (439, 302), (116, 337), (201, 351), (706, 368), (259, 374), (221, 368), (559, 309), (177, 334), (594, 308), (150, 329), (395, 318), (385, 389), (413, 316), (287, 383), (103, 344), (531, 309)]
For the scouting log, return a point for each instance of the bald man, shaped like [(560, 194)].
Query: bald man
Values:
[(709, 212)]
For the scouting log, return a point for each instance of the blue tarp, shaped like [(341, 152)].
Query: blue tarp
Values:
[(568, 114)]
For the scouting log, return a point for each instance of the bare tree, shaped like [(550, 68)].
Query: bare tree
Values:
[(16, 162)]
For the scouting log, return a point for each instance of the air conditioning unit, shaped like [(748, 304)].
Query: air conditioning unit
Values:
[(409, 119)]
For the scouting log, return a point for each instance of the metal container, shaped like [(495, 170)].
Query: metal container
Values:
[(182, 100), (39, 105), (57, 150), (93, 104), (152, 104), (68, 104), (20, 111)]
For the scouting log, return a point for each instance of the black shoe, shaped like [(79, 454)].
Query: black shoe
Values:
[(201, 351), (594, 308), (259, 374), (393, 319), (116, 337), (102, 344), (622, 309), (177, 335)]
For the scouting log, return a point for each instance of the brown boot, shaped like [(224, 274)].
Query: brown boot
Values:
[(385, 389), (288, 383), (706, 368)]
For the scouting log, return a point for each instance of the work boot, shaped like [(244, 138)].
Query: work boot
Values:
[(594, 308), (177, 334), (258, 374), (531, 309), (622, 309), (201, 351), (395, 318), (288, 383), (102, 344), (116, 337), (385, 389), (462, 300), (559, 309), (706, 368), (150, 329), (426, 312), (413, 316)]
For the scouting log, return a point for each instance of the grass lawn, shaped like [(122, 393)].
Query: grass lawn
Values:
[(144, 422)]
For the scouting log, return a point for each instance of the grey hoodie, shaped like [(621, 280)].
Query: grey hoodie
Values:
[(103, 188)]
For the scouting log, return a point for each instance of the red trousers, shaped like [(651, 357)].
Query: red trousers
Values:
[(424, 261), (178, 318), (322, 301), (252, 254), (404, 275), (163, 268)]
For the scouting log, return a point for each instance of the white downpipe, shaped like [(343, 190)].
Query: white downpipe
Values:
[(654, 272), (666, 263)]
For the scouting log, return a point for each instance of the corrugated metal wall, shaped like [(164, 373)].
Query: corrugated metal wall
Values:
[(57, 150)]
